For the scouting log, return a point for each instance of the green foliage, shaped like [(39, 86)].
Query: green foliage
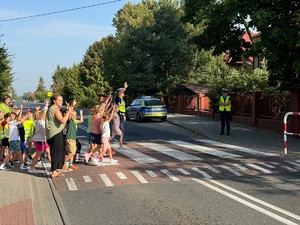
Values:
[(6, 77), (278, 21)]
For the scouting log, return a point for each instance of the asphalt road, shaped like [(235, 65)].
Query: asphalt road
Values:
[(269, 196), (167, 175)]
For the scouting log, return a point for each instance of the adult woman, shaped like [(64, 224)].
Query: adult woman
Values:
[(4, 104), (55, 123)]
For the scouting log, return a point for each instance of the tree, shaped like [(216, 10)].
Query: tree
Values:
[(224, 21), (41, 92), (6, 77)]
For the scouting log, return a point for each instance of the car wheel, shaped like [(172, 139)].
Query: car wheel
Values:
[(163, 119), (139, 119), (127, 117)]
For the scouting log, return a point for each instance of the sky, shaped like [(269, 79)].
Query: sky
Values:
[(40, 44)]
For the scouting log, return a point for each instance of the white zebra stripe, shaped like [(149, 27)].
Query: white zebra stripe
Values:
[(266, 165), (231, 170), (183, 171), (240, 167), (236, 148), (71, 184), (106, 180), (87, 179), (170, 152), (170, 175), (139, 177), (121, 175), (202, 172), (292, 163), (289, 168), (151, 173), (204, 149), (259, 168)]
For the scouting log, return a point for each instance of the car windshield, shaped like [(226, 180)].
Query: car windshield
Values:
[(154, 102)]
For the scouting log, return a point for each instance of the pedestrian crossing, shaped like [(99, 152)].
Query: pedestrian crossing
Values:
[(175, 160)]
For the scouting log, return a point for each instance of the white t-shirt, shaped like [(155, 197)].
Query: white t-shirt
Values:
[(13, 131), (105, 129)]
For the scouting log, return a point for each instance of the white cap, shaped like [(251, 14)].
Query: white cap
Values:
[(224, 90)]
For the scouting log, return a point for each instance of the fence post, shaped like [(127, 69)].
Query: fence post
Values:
[(285, 132), (255, 107)]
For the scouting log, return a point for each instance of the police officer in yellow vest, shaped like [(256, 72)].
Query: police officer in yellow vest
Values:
[(122, 106), (225, 108)]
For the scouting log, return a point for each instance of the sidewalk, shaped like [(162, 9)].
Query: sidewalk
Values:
[(241, 135), (27, 199), (30, 199)]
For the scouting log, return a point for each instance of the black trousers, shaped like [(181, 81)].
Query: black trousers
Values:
[(57, 151), (225, 119)]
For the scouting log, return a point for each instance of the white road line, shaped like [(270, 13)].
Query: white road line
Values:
[(298, 161), (151, 173), (257, 200), (292, 163), (236, 148), (202, 172), (139, 177), (240, 167), (135, 155), (106, 180), (266, 165), (289, 168), (259, 168), (231, 170), (212, 169), (244, 202), (71, 184), (183, 171), (204, 149), (170, 175), (169, 151), (121, 175), (87, 179), (275, 163)]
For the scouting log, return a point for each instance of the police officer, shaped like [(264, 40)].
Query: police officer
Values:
[(122, 106), (225, 108)]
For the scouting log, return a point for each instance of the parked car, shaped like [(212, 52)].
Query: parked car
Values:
[(146, 107)]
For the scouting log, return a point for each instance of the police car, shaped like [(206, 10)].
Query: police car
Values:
[(146, 107)]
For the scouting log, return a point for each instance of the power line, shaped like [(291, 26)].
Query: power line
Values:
[(61, 11)]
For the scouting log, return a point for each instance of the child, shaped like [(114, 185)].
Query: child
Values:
[(104, 125), (4, 134), (39, 140), (14, 140), (29, 130), (22, 137), (116, 127), (71, 140)]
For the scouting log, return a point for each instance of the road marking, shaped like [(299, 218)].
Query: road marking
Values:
[(71, 184), (151, 173), (204, 149), (135, 155), (259, 168), (212, 169), (231, 170), (202, 172), (106, 180), (236, 148), (139, 177), (244, 202), (240, 167), (121, 175), (170, 152), (275, 163), (266, 165), (298, 161), (87, 179), (289, 168), (170, 175), (257, 200), (183, 171), (292, 163)]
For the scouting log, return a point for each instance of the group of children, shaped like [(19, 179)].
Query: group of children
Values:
[(17, 132), (100, 133)]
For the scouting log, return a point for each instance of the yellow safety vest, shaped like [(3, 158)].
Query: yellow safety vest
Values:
[(29, 128), (228, 107), (122, 108), (5, 131)]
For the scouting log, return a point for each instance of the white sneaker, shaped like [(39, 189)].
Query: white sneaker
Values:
[(33, 171), (113, 161), (94, 161), (23, 167), (3, 167)]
